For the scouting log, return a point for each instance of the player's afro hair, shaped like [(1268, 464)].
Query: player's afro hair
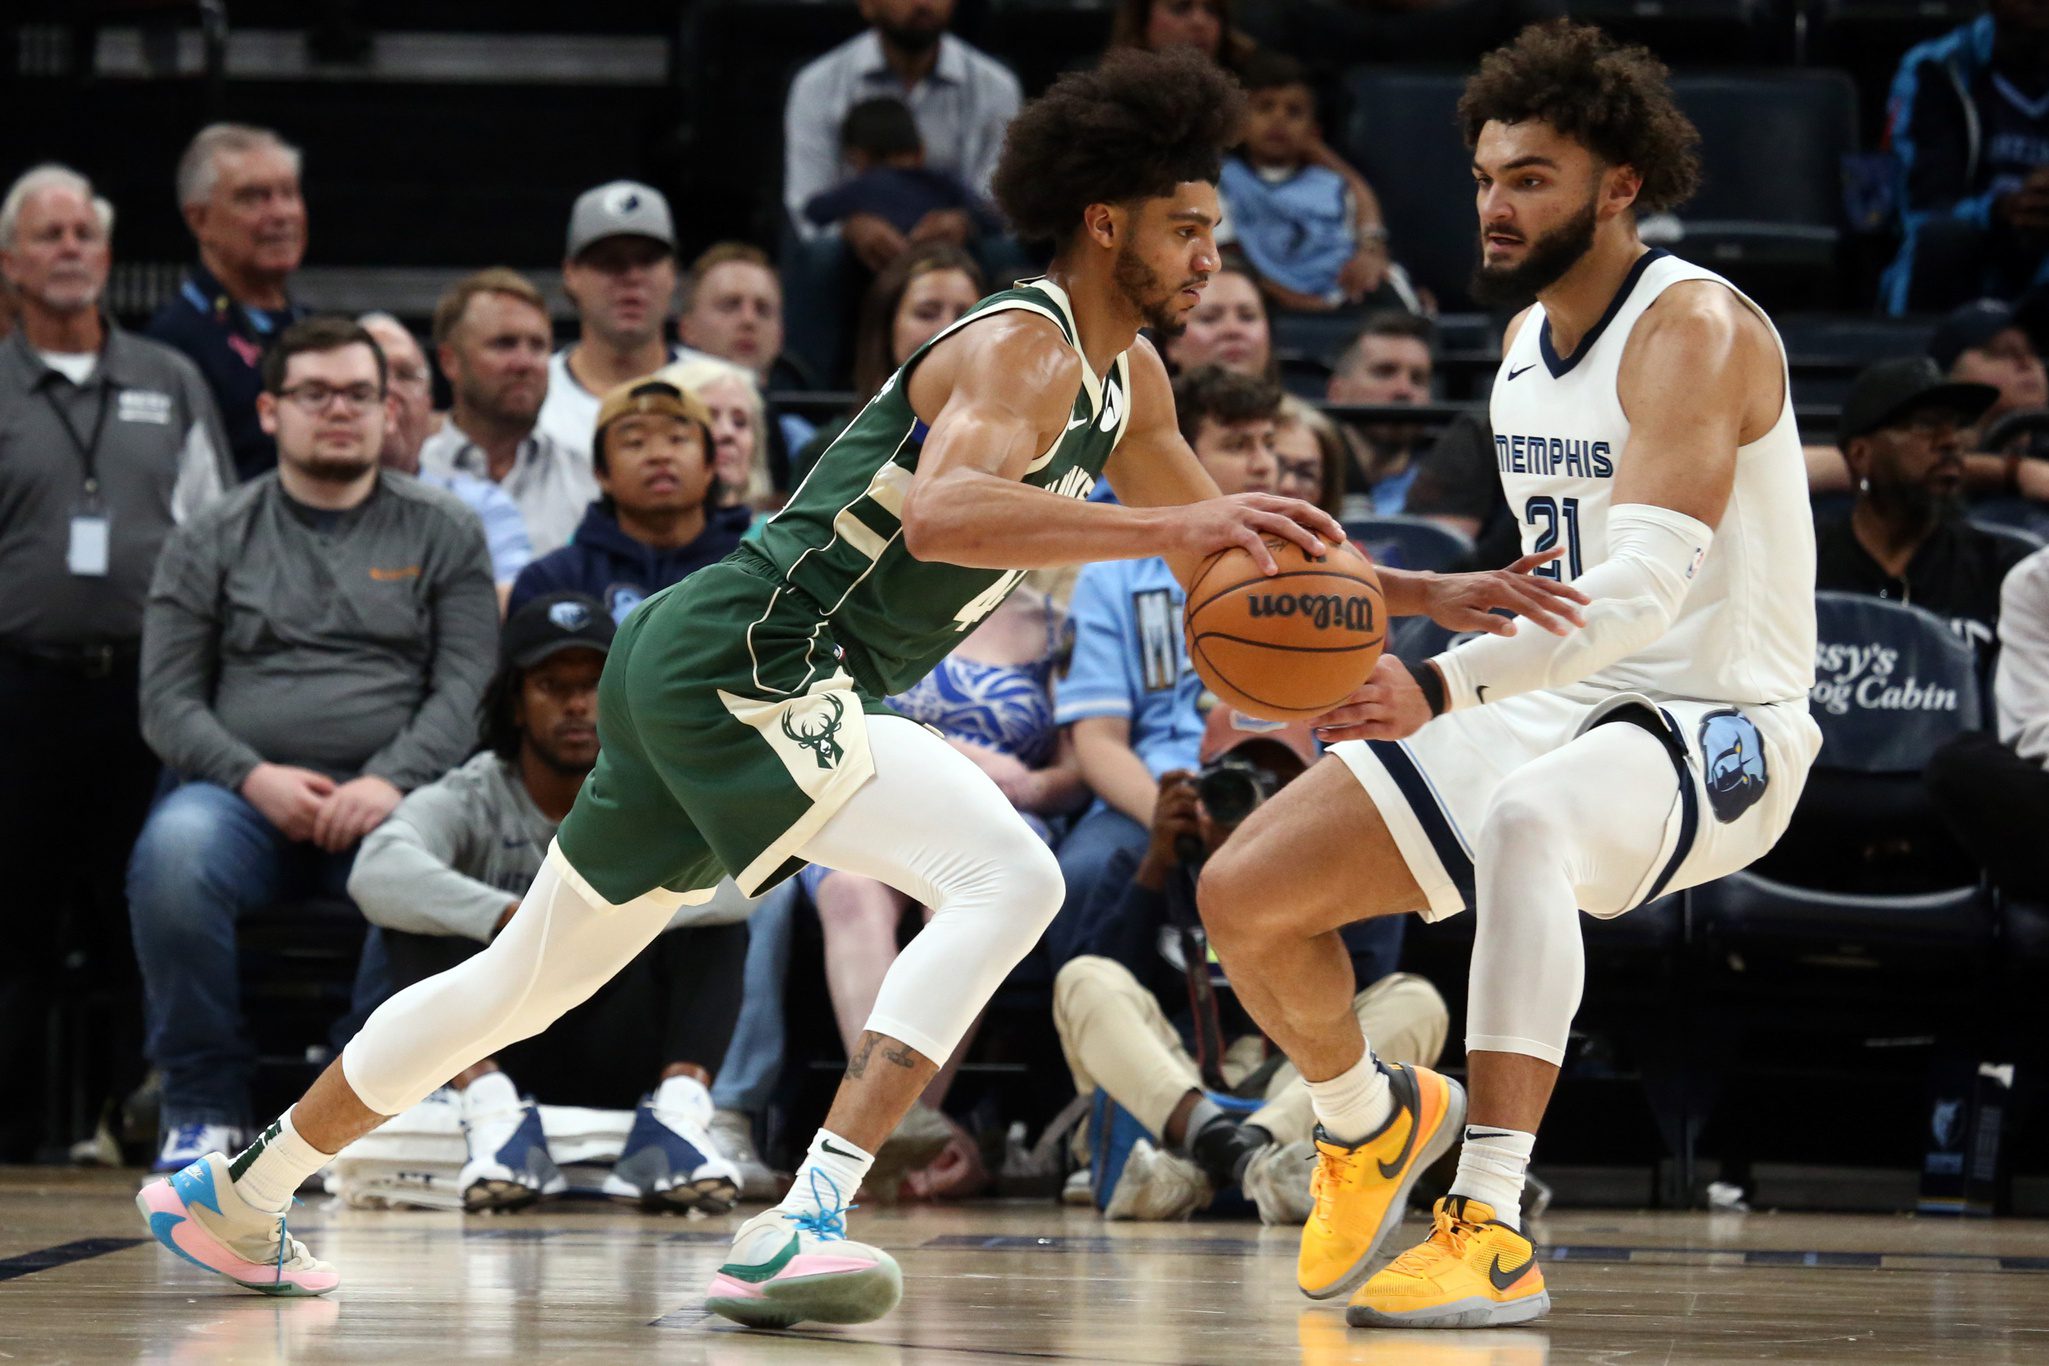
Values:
[(1612, 99), (1133, 128)]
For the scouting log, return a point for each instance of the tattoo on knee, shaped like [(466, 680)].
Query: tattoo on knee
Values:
[(896, 1053)]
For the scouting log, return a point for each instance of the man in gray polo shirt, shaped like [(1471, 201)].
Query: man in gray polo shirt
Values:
[(107, 441), (316, 645)]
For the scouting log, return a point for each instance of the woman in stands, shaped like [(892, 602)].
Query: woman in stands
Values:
[(739, 428), (1228, 328), (915, 298)]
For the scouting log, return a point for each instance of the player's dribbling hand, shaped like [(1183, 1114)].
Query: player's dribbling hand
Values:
[(1387, 706), (1245, 520), (1466, 602)]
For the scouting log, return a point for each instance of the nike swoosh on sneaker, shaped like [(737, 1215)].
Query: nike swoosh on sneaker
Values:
[(762, 1271), (1513, 373), (1502, 1282), (1413, 1103)]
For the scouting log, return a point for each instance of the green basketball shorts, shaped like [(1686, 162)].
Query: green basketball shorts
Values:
[(728, 734)]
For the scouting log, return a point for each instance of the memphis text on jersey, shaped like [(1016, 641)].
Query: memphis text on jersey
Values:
[(1554, 455)]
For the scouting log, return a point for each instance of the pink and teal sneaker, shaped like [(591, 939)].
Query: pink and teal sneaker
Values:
[(801, 1268), (198, 1215)]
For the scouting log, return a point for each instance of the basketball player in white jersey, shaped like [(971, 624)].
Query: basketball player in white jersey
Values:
[(1643, 425)]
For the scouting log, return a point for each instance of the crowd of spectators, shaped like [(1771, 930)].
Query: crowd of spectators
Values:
[(291, 642)]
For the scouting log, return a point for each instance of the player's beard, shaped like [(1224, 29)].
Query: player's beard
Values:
[(1542, 266), (1142, 288), (330, 469)]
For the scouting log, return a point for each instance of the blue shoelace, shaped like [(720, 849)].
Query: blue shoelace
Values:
[(284, 1239), (823, 1222)]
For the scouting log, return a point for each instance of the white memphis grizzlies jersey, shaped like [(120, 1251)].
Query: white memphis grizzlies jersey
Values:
[(1745, 632)]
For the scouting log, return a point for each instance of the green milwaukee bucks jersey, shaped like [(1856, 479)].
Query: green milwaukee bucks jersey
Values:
[(839, 540)]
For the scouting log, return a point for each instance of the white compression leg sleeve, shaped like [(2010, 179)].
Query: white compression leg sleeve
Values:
[(1580, 826), (933, 826), (563, 944)]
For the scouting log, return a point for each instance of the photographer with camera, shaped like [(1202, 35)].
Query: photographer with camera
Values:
[(1144, 1013)]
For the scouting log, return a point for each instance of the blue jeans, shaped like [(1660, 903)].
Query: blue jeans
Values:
[(207, 858), (1095, 840), (754, 1058)]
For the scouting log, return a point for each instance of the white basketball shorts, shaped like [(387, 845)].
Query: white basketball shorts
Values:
[(1737, 774)]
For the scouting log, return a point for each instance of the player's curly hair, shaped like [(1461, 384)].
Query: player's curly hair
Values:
[(1212, 393), (1614, 100), (1133, 128)]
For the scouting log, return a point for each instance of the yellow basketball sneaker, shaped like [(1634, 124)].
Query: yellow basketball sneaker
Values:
[(1471, 1272), (1359, 1192)]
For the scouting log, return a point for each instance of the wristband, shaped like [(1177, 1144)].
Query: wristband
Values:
[(1430, 683)]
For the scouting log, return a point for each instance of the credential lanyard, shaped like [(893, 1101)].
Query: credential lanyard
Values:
[(88, 451)]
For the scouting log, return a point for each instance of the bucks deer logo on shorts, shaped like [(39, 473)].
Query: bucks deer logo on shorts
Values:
[(1734, 754), (817, 731)]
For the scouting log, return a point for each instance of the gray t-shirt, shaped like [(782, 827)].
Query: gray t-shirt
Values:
[(350, 643), (160, 457), (457, 852), (454, 855)]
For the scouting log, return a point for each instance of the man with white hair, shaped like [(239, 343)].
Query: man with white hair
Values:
[(109, 441), (238, 188), (409, 403)]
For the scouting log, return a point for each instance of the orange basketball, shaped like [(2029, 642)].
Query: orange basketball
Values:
[(1288, 645)]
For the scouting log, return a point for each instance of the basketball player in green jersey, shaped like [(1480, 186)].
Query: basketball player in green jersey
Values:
[(740, 719)]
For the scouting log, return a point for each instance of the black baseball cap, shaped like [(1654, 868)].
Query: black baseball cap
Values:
[(1888, 391), (1971, 325), (549, 625)]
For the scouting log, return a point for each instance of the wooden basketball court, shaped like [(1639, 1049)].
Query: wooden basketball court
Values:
[(1006, 1282)]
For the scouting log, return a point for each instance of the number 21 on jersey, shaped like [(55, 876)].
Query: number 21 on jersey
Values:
[(1555, 515)]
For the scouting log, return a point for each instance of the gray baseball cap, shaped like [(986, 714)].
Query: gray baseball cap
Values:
[(621, 208)]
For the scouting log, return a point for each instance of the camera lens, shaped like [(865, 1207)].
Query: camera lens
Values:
[(1228, 793)]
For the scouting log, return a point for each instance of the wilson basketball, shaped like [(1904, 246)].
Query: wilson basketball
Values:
[(1287, 645)]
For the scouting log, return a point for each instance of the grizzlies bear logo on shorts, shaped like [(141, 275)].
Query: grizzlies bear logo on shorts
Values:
[(1734, 754)]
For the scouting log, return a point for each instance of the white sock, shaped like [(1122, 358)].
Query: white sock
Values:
[(1354, 1105), (1491, 1166), (272, 1168), (832, 1171), (685, 1096), (491, 1094)]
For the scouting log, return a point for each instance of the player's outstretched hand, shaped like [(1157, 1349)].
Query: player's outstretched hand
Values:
[(1247, 519), (1387, 706), (1466, 602)]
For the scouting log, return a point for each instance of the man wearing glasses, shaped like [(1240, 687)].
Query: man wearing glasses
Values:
[(315, 645)]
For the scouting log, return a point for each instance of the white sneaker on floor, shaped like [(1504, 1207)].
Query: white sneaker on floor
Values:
[(187, 1143), (733, 1131), (790, 1268), (1277, 1181), (509, 1164), (1079, 1189), (671, 1162), (1157, 1185)]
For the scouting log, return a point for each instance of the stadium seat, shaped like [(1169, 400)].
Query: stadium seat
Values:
[(1864, 870), (1695, 31), (1775, 235), (1403, 136), (1409, 542)]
